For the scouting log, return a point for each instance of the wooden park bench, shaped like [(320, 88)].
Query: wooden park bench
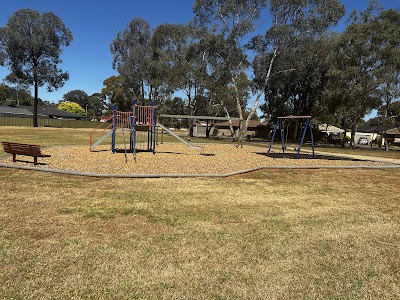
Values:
[(23, 149)]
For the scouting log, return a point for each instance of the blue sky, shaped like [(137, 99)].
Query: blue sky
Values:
[(95, 24)]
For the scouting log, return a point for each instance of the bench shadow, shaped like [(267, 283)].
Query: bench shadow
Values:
[(31, 162)]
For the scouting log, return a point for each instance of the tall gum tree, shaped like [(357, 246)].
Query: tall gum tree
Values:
[(131, 57), (30, 46), (292, 23), (234, 21), (362, 72), (387, 28), (228, 22)]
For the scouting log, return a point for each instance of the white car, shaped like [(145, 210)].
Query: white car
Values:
[(363, 141)]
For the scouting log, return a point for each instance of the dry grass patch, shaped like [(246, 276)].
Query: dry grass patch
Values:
[(269, 235)]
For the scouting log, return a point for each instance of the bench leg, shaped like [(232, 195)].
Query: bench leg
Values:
[(14, 157), (35, 160)]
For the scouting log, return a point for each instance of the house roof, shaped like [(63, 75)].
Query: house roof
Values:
[(393, 131), (253, 124), (375, 129), (329, 128), (53, 112), (43, 112), (14, 110)]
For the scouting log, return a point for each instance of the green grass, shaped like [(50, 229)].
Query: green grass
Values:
[(267, 235)]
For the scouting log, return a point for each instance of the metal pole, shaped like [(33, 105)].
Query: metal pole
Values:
[(302, 138), (134, 110), (273, 136), (113, 137), (154, 104), (312, 139), (282, 130)]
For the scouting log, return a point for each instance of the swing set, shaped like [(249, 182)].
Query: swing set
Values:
[(280, 125)]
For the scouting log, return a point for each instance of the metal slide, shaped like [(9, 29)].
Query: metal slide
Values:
[(179, 138), (101, 139)]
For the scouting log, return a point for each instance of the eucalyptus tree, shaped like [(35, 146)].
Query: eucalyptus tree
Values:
[(293, 23), (93, 105), (232, 21), (21, 88), (5, 92), (96, 106), (387, 31), (301, 74), (177, 57), (131, 57), (30, 46), (115, 92), (361, 71), (228, 22), (77, 96)]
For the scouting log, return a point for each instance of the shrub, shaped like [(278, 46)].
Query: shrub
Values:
[(71, 107)]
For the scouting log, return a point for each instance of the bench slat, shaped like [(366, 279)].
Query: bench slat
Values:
[(23, 149)]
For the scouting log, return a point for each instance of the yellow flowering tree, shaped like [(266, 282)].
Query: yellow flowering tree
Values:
[(71, 107)]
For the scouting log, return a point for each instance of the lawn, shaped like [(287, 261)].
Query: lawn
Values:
[(276, 234)]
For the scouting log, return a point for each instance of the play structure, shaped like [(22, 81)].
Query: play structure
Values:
[(280, 125), (139, 125)]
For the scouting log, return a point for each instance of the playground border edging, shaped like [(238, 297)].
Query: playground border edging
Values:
[(98, 175)]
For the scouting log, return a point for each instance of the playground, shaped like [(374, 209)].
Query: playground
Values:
[(131, 144), (284, 233), (177, 158)]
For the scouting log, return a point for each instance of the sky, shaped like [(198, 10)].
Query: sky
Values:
[(95, 24)]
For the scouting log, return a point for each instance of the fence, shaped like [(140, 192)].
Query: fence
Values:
[(15, 121)]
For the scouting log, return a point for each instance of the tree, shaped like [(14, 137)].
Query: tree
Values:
[(114, 92), (30, 45), (131, 55), (386, 37), (22, 96), (96, 105), (172, 106), (5, 92), (296, 25), (21, 89), (301, 74), (77, 96), (71, 107), (355, 77), (231, 21), (177, 62), (175, 51), (227, 22)]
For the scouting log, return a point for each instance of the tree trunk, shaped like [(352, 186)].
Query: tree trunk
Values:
[(190, 107), (386, 142), (353, 133), (208, 128), (230, 123), (35, 104), (256, 103), (344, 133)]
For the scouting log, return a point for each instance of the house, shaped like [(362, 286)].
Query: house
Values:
[(393, 136), (200, 129), (9, 109), (374, 133), (254, 129), (330, 133)]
